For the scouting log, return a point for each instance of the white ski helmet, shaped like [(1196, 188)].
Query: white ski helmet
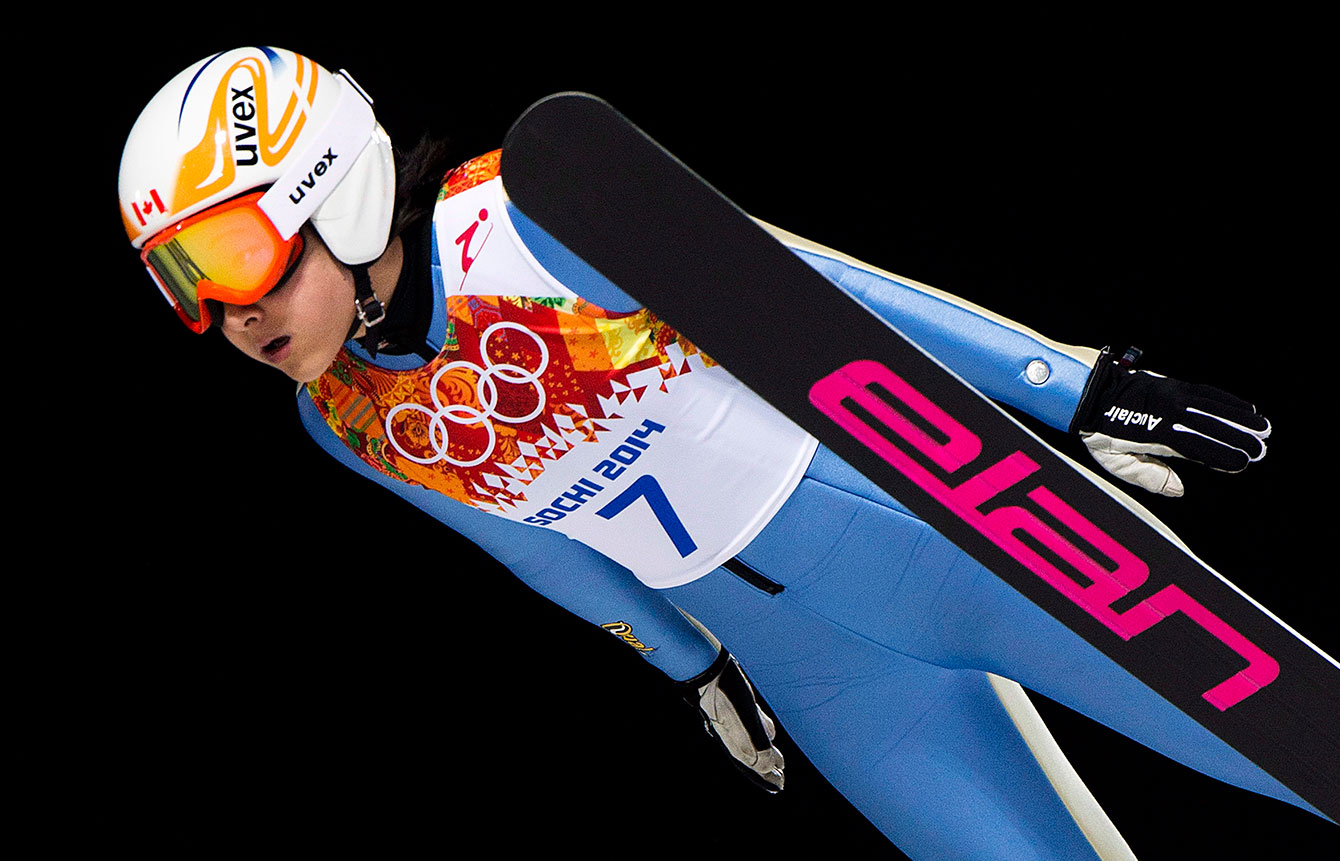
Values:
[(262, 118)]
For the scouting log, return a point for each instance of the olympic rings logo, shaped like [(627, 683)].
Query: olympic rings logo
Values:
[(487, 391)]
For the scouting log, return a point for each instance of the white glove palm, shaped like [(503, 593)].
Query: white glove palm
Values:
[(731, 713), (1130, 419)]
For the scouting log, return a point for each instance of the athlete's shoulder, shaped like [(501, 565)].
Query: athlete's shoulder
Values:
[(474, 172)]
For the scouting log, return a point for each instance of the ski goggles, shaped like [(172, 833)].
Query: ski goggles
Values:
[(230, 253)]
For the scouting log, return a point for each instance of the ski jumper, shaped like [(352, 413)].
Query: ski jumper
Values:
[(616, 469)]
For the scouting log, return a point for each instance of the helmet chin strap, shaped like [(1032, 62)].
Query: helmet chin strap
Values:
[(368, 310)]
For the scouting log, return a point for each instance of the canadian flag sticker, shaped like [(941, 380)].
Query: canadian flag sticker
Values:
[(150, 206)]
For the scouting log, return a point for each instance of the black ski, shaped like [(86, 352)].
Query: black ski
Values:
[(614, 197)]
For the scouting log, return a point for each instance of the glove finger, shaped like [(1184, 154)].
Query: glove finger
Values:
[(1219, 441), (773, 778), (736, 741), (1202, 448), (770, 762), (1135, 463), (1232, 406), (1229, 408), (768, 726)]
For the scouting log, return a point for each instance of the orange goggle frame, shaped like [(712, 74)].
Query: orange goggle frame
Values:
[(231, 253)]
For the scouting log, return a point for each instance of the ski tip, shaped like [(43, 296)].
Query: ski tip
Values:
[(567, 105), (565, 134)]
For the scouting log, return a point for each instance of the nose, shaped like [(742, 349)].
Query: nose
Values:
[(238, 317)]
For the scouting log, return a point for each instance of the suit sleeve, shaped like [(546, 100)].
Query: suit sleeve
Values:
[(567, 572), (1004, 360)]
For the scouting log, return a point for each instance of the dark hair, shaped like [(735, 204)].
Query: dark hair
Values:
[(419, 175)]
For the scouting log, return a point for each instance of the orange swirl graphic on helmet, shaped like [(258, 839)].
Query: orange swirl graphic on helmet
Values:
[(239, 121)]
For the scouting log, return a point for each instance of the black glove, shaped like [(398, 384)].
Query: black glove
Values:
[(1128, 417), (726, 702)]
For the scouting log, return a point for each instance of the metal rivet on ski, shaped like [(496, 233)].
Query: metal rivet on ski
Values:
[(1038, 372)]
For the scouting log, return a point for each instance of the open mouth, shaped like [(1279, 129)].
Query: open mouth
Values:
[(276, 349)]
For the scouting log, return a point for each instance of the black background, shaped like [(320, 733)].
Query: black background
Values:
[(224, 639)]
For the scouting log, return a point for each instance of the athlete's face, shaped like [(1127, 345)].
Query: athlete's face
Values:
[(300, 325)]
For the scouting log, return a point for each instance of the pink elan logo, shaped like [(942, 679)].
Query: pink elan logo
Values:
[(966, 498)]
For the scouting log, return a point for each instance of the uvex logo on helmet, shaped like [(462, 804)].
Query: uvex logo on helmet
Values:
[(323, 164), (242, 129), (244, 110)]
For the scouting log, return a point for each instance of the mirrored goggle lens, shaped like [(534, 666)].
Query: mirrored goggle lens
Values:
[(232, 254)]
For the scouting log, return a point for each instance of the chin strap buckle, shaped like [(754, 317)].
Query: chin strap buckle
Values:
[(367, 308), (370, 310)]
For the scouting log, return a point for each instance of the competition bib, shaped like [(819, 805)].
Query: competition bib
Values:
[(545, 409)]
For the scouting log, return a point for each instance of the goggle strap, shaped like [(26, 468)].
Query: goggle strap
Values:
[(292, 200)]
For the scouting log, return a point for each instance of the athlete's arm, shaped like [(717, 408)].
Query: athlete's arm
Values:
[(1131, 421), (1002, 359), (567, 572), (1009, 363)]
